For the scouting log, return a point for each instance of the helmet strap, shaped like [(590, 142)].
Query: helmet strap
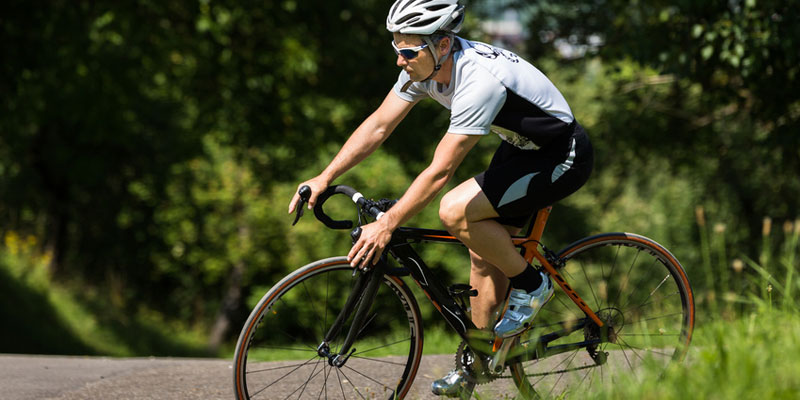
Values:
[(435, 53)]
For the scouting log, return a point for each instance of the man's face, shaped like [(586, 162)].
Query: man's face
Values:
[(419, 67)]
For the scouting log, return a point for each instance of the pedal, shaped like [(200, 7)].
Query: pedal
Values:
[(462, 289)]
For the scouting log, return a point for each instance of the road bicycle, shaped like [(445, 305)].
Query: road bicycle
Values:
[(625, 304)]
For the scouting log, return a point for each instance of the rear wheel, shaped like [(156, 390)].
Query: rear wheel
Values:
[(276, 355), (641, 293)]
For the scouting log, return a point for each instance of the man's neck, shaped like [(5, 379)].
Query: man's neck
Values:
[(444, 74)]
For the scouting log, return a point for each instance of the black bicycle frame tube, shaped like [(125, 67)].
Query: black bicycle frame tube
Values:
[(367, 294), (447, 306), (352, 298), (401, 249), (366, 286)]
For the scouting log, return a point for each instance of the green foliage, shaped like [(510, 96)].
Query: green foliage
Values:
[(67, 318), (746, 358), (152, 147), (721, 101)]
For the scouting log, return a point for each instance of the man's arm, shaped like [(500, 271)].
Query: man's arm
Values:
[(448, 156), (364, 140)]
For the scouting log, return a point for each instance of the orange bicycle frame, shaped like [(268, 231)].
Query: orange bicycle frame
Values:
[(531, 246)]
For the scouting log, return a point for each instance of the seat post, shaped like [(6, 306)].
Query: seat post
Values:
[(530, 242), (537, 228)]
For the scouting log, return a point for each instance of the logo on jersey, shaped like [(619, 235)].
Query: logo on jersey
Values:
[(492, 52)]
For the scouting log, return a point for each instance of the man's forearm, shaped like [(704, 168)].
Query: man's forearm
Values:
[(424, 189), (361, 144)]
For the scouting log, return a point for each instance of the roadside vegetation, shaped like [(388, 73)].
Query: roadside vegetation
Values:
[(148, 155)]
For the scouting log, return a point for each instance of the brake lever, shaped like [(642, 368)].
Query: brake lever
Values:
[(305, 194)]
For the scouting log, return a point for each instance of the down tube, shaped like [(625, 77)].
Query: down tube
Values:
[(433, 289)]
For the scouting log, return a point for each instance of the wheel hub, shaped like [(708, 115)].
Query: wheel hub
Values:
[(613, 321)]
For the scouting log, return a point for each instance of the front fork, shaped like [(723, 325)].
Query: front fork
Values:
[(364, 289)]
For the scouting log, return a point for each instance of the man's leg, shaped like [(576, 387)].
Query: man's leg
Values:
[(467, 214), (492, 287)]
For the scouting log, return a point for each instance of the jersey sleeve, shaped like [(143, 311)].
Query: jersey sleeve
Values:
[(476, 103), (415, 92)]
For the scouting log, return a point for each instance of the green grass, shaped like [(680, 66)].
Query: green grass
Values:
[(43, 316), (746, 343), (753, 357)]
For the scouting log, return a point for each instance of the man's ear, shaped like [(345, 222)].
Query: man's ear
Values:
[(444, 44)]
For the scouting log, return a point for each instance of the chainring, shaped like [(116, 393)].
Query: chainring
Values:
[(477, 371)]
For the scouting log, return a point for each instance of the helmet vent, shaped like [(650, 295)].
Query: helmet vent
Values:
[(424, 22), (408, 17)]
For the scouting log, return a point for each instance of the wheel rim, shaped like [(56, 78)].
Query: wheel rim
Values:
[(635, 287), (281, 359)]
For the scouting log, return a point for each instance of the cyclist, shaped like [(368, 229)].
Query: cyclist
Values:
[(544, 156)]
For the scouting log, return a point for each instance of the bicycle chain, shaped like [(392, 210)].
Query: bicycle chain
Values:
[(465, 359)]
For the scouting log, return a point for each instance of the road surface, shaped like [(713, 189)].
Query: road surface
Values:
[(67, 378)]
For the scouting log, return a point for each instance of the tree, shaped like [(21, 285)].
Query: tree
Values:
[(732, 110)]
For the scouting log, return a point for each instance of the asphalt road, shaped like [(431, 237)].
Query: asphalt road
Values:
[(55, 377)]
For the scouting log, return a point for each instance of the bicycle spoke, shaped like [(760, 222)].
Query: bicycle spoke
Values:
[(383, 346), (282, 367), (613, 265), (635, 290), (325, 382), (350, 381), (287, 348), (311, 376), (651, 350), (627, 360), (371, 379), (657, 317), (339, 378), (366, 324), (627, 277), (279, 379), (649, 334), (589, 284), (652, 292), (378, 360), (310, 300), (327, 288), (289, 326), (656, 302), (571, 358)]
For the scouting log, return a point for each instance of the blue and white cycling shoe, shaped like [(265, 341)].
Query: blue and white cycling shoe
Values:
[(523, 307)]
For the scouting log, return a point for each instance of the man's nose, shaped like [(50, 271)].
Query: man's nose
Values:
[(401, 61)]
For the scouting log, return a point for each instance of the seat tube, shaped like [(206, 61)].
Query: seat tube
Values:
[(531, 242)]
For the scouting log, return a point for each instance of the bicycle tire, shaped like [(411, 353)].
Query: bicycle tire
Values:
[(636, 286), (289, 323)]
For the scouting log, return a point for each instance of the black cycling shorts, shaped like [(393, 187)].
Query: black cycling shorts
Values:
[(520, 182)]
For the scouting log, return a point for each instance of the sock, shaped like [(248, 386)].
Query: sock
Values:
[(529, 280)]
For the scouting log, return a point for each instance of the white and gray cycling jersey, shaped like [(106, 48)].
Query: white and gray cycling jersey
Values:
[(494, 90)]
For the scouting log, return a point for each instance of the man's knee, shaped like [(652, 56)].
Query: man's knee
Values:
[(451, 212)]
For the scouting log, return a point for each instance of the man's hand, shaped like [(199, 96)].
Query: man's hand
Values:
[(317, 185), (369, 247)]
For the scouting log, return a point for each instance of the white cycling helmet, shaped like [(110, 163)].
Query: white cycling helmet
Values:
[(425, 17)]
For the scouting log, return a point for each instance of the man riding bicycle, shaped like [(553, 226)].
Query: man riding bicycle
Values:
[(545, 156)]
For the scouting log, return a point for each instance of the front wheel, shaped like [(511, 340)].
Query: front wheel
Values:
[(277, 352), (641, 293)]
